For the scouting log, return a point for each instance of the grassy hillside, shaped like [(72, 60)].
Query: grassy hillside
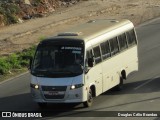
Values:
[(16, 11)]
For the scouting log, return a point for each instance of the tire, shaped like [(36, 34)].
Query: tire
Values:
[(42, 105), (119, 87), (89, 102)]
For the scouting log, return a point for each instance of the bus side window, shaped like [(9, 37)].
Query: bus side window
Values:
[(114, 46), (105, 50), (97, 54), (122, 41), (131, 38)]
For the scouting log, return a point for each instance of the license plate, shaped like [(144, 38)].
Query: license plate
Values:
[(53, 92)]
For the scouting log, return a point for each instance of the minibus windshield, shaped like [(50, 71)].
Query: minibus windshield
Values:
[(58, 60)]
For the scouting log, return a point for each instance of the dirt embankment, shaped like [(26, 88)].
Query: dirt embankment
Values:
[(21, 36), (16, 11)]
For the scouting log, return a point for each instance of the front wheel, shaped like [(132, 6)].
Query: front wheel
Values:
[(89, 102)]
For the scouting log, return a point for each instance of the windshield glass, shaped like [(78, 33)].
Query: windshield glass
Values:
[(58, 60)]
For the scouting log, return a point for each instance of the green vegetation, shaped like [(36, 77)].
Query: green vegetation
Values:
[(16, 61), (9, 11), (38, 1), (42, 38)]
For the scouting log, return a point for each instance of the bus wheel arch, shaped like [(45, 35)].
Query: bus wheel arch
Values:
[(123, 74), (93, 88)]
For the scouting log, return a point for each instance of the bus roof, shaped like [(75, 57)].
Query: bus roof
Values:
[(93, 29)]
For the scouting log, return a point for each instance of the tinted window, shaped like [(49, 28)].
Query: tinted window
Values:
[(131, 38), (122, 41), (105, 50), (97, 54), (114, 46)]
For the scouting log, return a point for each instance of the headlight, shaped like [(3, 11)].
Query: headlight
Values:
[(76, 86), (35, 86)]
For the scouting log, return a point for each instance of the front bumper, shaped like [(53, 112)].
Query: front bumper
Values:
[(70, 96)]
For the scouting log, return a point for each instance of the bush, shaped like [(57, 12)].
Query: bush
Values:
[(4, 66), (10, 19), (9, 11), (37, 1), (14, 9), (2, 10), (16, 61), (25, 56)]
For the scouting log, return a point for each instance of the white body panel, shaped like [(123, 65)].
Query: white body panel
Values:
[(112, 68)]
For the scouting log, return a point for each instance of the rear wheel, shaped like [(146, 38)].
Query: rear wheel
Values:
[(89, 102)]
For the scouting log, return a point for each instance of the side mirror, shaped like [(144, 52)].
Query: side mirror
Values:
[(90, 62)]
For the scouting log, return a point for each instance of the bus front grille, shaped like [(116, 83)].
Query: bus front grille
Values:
[(54, 92)]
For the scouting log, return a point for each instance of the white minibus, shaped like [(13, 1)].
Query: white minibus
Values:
[(83, 62)]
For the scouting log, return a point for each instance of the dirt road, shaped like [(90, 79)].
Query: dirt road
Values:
[(21, 36)]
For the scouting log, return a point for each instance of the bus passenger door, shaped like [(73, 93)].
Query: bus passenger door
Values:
[(95, 73)]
